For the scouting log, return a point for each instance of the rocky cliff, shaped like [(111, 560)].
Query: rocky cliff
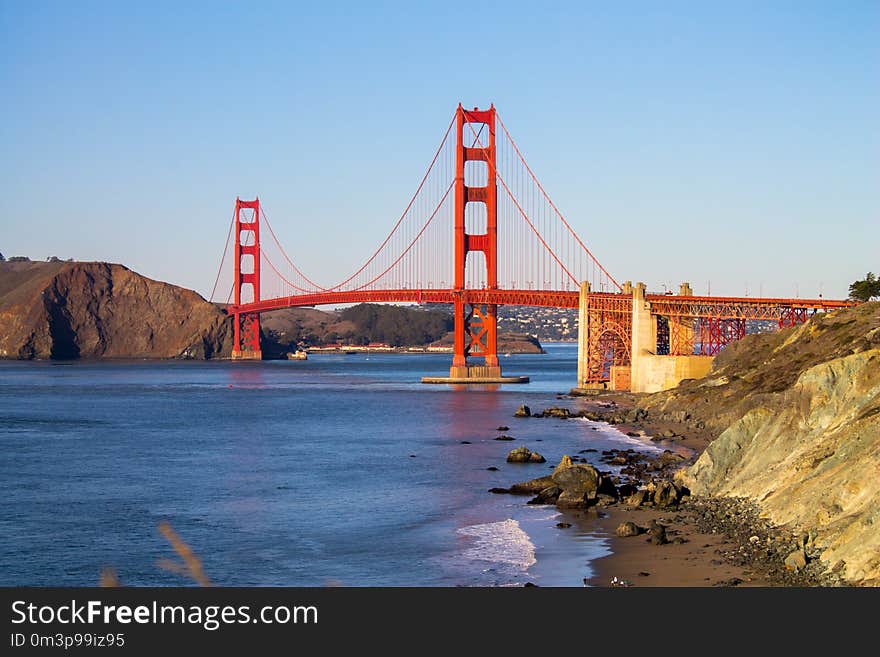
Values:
[(101, 310), (797, 414)]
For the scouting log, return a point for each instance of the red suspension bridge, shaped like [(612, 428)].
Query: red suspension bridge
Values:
[(481, 231)]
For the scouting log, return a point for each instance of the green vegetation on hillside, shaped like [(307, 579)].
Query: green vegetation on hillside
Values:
[(359, 325), (396, 325)]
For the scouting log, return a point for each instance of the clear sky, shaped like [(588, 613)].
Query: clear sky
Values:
[(731, 142)]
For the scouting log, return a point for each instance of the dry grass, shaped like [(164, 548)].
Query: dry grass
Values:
[(109, 580), (189, 565)]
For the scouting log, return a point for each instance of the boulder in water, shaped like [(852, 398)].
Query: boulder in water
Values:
[(532, 486), (548, 495), (524, 455)]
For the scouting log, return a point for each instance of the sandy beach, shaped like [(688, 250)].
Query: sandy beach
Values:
[(698, 562)]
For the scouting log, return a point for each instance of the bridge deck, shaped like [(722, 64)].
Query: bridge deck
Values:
[(685, 306)]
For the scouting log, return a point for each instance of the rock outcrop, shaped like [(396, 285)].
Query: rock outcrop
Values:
[(532, 486), (579, 482), (524, 455), (101, 310), (628, 528), (572, 486), (799, 433)]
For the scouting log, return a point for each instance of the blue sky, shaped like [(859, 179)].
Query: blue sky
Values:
[(735, 142)]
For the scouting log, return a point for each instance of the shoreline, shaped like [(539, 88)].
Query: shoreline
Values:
[(710, 542)]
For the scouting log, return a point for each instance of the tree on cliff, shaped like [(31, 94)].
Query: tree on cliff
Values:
[(866, 289)]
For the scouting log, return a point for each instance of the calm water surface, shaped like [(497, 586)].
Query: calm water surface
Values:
[(340, 469)]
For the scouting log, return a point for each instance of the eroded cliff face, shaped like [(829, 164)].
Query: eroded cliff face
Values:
[(811, 459), (101, 310), (798, 415)]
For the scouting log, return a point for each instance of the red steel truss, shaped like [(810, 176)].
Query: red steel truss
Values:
[(608, 334), (785, 311), (715, 333)]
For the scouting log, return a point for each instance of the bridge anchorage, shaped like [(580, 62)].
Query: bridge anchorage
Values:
[(480, 231)]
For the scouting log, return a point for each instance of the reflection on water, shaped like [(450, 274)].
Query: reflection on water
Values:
[(246, 375)]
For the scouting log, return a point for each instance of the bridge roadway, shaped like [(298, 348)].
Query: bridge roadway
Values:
[(669, 305)]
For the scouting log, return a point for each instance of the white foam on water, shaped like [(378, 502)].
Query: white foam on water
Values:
[(549, 513), (502, 543), (617, 435), (637, 442)]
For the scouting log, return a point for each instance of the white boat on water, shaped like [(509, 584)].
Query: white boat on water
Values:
[(297, 355)]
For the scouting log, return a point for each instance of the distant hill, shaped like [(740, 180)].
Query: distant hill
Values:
[(357, 325), (293, 325), (404, 326), (103, 310)]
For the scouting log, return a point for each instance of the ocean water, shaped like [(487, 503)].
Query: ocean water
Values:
[(342, 469)]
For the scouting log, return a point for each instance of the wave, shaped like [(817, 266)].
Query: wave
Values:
[(613, 433), (502, 543)]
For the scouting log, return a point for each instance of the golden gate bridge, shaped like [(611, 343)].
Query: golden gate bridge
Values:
[(481, 231)]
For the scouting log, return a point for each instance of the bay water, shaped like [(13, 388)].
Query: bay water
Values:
[(338, 470)]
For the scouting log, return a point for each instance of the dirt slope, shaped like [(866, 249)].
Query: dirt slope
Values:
[(102, 310)]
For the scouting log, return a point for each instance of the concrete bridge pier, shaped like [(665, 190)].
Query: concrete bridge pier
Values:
[(681, 329), (644, 338), (647, 371), (652, 372), (583, 332)]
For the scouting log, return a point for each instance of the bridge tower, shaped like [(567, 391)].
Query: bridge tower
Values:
[(246, 326), (475, 324)]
